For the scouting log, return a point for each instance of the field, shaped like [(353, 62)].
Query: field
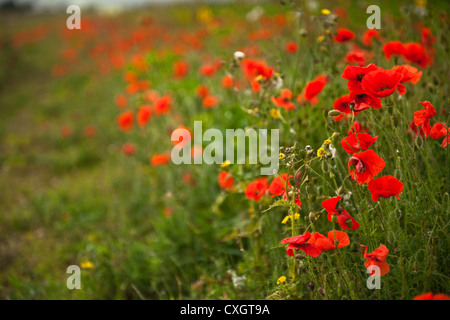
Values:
[(87, 177)]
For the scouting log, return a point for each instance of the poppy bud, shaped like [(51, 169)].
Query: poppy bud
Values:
[(333, 113), (313, 216), (298, 177)]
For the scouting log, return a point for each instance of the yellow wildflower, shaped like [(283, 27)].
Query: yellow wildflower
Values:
[(275, 113), (281, 280), (226, 163), (321, 152), (86, 264)]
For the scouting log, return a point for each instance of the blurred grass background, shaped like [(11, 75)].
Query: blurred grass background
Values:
[(68, 200)]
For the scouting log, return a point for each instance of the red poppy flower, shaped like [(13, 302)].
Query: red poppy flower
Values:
[(278, 185), (207, 70), (227, 81), (328, 243), (427, 38), (256, 189), (385, 187), (132, 87), (368, 35), (363, 101), (364, 166), (184, 138), (418, 54), (312, 89), (253, 68), (377, 258), (300, 242), (144, 115), (284, 100), (357, 56), (66, 131), (202, 91), (357, 127), (410, 74), (125, 121), (355, 75), (357, 142), (423, 116), (130, 76), (128, 149), (291, 47), (417, 130), (210, 101), (180, 69), (90, 131), (160, 159), (121, 101), (226, 181), (343, 217), (381, 83), (344, 35), (342, 104), (143, 85), (438, 131), (255, 85), (162, 105), (431, 296), (393, 48)]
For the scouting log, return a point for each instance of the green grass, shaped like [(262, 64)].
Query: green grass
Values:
[(66, 200)]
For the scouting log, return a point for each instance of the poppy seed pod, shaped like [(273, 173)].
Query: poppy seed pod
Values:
[(334, 113), (313, 216)]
